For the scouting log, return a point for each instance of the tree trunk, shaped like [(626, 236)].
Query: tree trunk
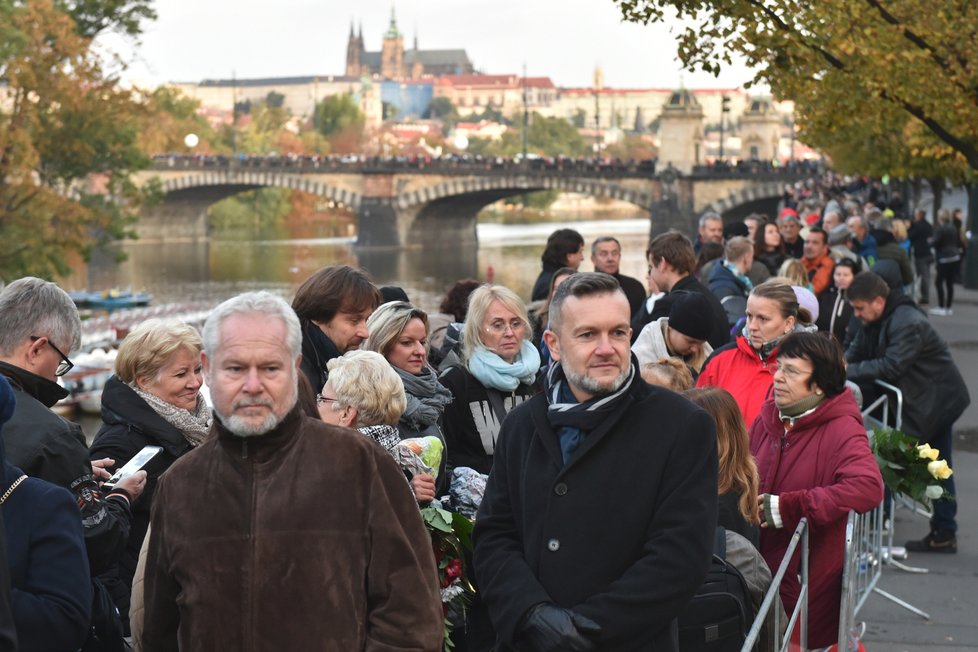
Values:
[(971, 257)]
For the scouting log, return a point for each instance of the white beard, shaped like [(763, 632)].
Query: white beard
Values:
[(243, 427), (596, 387)]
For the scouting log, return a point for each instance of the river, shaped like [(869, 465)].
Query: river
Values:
[(220, 268)]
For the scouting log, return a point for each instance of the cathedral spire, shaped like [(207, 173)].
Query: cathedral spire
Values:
[(392, 31)]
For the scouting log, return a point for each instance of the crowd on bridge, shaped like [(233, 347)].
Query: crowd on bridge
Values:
[(461, 162), (608, 436)]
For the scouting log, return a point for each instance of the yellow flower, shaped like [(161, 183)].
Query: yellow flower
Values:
[(925, 452), (939, 469)]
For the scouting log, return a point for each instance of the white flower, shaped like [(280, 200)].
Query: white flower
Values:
[(452, 591), (924, 451), (934, 491), (940, 469)]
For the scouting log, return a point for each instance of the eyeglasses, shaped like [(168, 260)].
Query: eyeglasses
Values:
[(65, 365), (323, 399), (499, 326)]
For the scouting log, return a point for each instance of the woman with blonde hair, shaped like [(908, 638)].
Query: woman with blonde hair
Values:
[(498, 372), (152, 400), (737, 480)]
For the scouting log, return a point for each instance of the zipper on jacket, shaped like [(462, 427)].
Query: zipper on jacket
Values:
[(244, 448)]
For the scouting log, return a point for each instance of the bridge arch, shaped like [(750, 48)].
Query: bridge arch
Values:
[(234, 182), (760, 197)]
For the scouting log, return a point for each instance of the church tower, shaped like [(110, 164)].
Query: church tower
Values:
[(392, 54), (681, 132), (354, 47)]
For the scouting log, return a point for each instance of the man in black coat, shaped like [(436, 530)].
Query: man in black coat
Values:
[(898, 345), (671, 266), (597, 523), (39, 327), (606, 257)]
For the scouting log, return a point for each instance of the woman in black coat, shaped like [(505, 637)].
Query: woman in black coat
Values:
[(152, 400)]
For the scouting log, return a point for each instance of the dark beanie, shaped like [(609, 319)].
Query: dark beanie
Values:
[(734, 229), (691, 315), (390, 293)]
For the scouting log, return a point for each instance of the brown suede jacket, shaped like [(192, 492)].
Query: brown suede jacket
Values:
[(306, 538)]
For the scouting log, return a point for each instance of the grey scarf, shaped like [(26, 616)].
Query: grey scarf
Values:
[(426, 398), (193, 425)]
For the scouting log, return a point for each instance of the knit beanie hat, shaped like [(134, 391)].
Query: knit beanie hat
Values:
[(691, 315)]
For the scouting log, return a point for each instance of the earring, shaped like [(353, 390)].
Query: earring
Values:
[(818, 392)]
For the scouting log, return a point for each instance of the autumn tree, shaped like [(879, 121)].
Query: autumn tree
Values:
[(68, 136)]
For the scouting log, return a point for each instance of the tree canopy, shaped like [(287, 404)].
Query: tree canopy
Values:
[(68, 136), (848, 64)]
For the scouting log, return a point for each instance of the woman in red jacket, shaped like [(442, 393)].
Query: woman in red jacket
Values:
[(814, 461), (745, 367)]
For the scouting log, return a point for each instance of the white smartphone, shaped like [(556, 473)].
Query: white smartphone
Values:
[(140, 460)]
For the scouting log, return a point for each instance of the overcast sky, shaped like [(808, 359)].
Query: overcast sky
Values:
[(563, 39)]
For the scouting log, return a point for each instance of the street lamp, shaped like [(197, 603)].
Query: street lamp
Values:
[(724, 109)]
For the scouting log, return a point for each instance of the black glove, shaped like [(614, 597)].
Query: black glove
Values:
[(549, 628)]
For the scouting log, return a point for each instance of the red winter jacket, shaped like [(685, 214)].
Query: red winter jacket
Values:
[(821, 469), (739, 369)]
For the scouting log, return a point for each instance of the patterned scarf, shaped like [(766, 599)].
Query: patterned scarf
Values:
[(573, 420), (426, 398), (193, 425), (492, 371)]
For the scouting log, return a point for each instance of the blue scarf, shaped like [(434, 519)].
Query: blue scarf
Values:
[(741, 278), (492, 371)]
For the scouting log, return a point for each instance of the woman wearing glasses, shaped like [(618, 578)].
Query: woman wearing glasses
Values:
[(498, 372), (152, 400)]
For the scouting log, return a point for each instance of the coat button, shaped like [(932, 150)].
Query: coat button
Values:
[(560, 489), (553, 545)]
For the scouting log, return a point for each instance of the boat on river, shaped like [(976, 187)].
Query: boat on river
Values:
[(110, 299)]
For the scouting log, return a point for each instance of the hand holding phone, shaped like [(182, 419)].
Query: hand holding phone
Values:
[(137, 463)]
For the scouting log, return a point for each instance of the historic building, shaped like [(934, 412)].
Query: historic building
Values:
[(394, 62)]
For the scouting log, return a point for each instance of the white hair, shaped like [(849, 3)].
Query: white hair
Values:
[(251, 303)]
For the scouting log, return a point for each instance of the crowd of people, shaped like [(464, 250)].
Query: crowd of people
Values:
[(600, 434)]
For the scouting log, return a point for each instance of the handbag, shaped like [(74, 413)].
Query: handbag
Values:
[(10, 489), (105, 633)]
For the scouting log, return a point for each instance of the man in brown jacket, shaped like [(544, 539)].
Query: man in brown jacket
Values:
[(280, 532)]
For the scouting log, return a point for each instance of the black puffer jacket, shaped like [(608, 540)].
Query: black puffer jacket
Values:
[(903, 349), (129, 424)]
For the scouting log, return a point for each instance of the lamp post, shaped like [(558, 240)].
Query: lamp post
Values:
[(526, 114), (724, 110)]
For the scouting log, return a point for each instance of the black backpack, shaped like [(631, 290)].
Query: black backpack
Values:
[(721, 613)]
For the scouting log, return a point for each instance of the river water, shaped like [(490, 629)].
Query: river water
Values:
[(220, 268)]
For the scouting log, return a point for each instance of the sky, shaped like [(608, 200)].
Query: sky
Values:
[(194, 40)]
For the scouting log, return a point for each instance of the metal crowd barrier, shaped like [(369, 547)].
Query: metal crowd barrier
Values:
[(869, 538), (799, 614)]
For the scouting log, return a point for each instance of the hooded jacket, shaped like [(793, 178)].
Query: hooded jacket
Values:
[(304, 538), (51, 593), (739, 369), (820, 469), (903, 349), (652, 345), (129, 424)]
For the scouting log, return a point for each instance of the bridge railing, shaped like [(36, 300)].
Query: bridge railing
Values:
[(460, 165)]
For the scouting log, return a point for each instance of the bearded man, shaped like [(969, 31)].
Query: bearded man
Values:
[(281, 532), (598, 520)]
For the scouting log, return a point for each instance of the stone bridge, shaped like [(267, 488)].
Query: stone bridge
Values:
[(437, 203)]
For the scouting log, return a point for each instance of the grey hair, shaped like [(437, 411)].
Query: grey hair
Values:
[(709, 216), (366, 381), (250, 303), (582, 284), (387, 323), (31, 306), (479, 302), (602, 240)]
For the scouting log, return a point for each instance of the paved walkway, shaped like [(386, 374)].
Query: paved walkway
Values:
[(949, 592)]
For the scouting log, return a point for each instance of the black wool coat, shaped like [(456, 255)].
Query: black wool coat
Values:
[(622, 534)]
